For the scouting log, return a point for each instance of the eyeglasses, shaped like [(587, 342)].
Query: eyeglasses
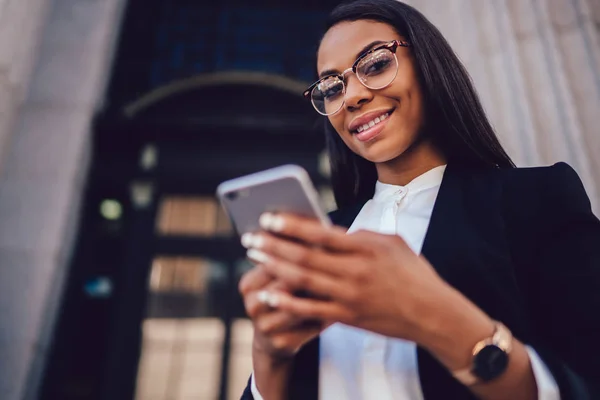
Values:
[(375, 69)]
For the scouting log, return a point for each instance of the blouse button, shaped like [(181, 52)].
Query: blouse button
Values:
[(400, 194)]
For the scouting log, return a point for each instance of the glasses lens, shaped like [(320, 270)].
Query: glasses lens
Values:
[(378, 69), (328, 95)]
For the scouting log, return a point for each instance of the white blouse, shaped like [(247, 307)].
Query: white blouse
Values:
[(357, 364)]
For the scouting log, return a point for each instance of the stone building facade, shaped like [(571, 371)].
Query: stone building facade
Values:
[(536, 64), (54, 63)]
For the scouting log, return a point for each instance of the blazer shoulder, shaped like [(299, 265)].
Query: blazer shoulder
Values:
[(560, 172), (539, 192)]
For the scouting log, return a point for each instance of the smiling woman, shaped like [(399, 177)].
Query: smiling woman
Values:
[(451, 274)]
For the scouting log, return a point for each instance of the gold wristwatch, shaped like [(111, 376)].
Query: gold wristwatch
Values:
[(490, 358)]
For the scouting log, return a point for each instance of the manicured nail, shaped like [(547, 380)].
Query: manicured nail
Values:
[(263, 297), (273, 300), (268, 298), (247, 240), (258, 256), (271, 222), (258, 241), (277, 223), (252, 240), (265, 221)]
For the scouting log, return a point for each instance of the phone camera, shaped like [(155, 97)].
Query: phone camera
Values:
[(232, 196)]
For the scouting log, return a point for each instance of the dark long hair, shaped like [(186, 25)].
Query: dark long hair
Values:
[(454, 116)]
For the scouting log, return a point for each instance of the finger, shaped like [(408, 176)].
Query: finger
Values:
[(277, 322), (309, 231), (300, 278), (309, 308), (291, 342), (298, 253), (255, 279), (259, 302)]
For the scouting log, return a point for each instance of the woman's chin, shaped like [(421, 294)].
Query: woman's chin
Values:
[(381, 153)]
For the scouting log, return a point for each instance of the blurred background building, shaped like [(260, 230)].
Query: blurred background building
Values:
[(118, 270)]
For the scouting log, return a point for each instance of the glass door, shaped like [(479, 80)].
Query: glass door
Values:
[(196, 341)]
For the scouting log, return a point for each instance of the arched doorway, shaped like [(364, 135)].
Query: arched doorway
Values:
[(153, 285)]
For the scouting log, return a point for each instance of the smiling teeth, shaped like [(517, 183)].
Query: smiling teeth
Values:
[(372, 123)]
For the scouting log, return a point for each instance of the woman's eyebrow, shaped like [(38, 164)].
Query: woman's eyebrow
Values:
[(368, 47)]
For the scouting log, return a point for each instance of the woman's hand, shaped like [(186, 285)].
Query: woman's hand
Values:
[(277, 333), (376, 282), (365, 279)]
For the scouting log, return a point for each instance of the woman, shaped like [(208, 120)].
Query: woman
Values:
[(492, 293)]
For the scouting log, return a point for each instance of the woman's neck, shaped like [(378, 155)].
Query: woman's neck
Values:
[(411, 164)]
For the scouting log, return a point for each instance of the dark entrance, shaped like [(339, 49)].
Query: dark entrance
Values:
[(152, 300)]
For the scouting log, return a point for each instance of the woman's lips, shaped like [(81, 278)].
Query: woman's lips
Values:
[(373, 131)]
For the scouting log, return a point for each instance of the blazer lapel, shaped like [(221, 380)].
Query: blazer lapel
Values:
[(445, 224), (439, 247)]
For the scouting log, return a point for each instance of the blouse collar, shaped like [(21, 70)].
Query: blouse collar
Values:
[(428, 180)]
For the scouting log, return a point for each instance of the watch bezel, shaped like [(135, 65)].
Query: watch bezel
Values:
[(502, 340), (481, 362)]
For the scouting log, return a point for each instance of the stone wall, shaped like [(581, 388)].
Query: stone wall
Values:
[(536, 65), (44, 163), (21, 23)]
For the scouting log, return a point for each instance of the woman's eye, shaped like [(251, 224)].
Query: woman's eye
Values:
[(332, 92), (375, 67)]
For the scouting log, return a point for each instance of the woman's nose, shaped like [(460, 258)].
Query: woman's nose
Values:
[(356, 93)]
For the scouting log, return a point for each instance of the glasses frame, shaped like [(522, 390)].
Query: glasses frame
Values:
[(391, 46)]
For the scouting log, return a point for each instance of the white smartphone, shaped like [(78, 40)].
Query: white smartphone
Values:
[(287, 188)]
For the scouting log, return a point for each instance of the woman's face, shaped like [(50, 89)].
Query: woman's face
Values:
[(401, 100)]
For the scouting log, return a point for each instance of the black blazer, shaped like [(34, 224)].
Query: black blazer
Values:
[(524, 246)]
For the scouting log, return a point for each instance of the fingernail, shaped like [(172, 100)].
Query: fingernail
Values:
[(252, 240), (265, 221), (247, 240), (263, 297), (271, 222), (258, 241), (258, 256), (273, 300), (277, 223), (268, 298)]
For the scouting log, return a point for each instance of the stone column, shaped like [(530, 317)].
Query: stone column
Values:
[(43, 174), (536, 65), (21, 23)]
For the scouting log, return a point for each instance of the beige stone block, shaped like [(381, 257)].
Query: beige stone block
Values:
[(562, 14), (8, 109), (34, 214), (75, 55), (25, 51), (48, 144), (523, 17), (15, 359), (25, 281), (590, 8), (16, 19)]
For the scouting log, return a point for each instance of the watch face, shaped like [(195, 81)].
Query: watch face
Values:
[(490, 362)]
